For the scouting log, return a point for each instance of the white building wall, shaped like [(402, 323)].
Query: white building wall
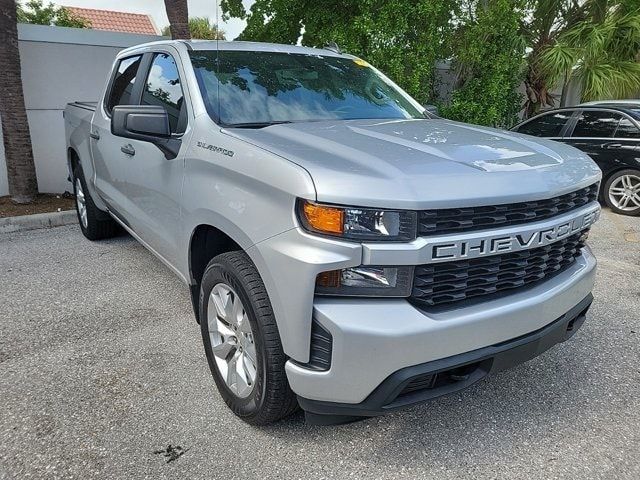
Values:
[(61, 65)]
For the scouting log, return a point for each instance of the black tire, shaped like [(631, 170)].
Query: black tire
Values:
[(271, 398), (99, 225), (612, 181)]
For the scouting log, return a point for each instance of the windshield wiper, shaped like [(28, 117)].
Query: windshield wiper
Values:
[(257, 124)]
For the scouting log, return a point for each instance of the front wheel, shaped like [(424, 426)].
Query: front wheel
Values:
[(241, 341), (622, 192)]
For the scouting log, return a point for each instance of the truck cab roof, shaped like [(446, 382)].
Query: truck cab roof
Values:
[(240, 46)]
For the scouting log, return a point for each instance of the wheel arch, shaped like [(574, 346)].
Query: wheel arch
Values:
[(73, 159), (206, 241)]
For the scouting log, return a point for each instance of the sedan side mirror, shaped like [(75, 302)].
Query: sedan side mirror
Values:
[(431, 109), (148, 123)]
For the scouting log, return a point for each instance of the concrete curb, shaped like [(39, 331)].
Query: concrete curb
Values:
[(39, 220)]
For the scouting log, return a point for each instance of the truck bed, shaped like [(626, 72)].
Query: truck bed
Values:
[(91, 106), (77, 124)]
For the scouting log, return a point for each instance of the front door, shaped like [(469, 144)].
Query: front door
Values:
[(154, 183)]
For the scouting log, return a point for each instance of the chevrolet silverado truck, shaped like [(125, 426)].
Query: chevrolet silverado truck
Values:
[(346, 251)]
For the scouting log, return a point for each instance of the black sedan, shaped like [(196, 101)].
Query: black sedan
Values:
[(608, 132)]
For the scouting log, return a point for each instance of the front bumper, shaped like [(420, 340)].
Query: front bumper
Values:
[(374, 338), (419, 383)]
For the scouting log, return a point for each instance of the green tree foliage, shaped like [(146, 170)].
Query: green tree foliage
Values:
[(201, 28), (494, 45), (602, 50), (489, 58), (403, 38), (34, 11), (545, 21)]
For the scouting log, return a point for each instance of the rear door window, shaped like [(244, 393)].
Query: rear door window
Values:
[(596, 124), (548, 125), (626, 129), (122, 84), (163, 88)]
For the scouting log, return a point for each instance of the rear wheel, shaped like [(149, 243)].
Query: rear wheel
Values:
[(94, 223), (622, 192), (241, 341)]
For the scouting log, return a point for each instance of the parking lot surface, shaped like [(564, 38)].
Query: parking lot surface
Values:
[(102, 369)]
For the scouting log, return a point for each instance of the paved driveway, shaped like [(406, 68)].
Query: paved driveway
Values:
[(101, 367)]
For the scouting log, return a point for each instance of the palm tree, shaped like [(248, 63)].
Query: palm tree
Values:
[(21, 171), (547, 19), (602, 51), (178, 14), (201, 28)]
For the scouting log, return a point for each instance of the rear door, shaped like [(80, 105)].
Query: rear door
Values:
[(607, 137), (110, 162)]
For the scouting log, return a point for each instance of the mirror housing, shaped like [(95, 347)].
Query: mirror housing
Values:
[(140, 122), (431, 109), (147, 123)]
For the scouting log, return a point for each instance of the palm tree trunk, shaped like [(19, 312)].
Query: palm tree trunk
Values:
[(21, 170), (178, 18), (565, 89)]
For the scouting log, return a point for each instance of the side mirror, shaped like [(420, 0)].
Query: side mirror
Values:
[(140, 122), (431, 109), (148, 123)]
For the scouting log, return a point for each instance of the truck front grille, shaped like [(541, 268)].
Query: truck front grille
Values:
[(444, 283), (457, 220)]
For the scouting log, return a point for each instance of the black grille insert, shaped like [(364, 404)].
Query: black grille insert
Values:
[(453, 220), (321, 347), (443, 283)]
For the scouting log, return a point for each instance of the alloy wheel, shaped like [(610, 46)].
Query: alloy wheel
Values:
[(232, 340), (81, 203), (624, 192)]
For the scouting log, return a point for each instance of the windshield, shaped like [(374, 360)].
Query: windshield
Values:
[(262, 88)]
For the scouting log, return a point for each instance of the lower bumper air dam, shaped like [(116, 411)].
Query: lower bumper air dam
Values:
[(420, 383)]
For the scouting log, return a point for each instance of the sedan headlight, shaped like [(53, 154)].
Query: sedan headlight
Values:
[(366, 281), (362, 224)]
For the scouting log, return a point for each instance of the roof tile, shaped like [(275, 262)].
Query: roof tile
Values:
[(116, 21)]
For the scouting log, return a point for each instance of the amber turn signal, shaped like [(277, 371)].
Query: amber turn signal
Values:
[(324, 219), (329, 279)]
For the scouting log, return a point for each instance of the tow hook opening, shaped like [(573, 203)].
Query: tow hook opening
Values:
[(442, 379), (576, 323)]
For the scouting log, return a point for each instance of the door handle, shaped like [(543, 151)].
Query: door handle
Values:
[(128, 149), (95, 135), (612, 145)]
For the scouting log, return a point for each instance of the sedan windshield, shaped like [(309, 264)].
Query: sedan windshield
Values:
[(255, 89)]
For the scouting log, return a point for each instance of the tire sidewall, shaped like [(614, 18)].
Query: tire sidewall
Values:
[(223, 272), (78, 174), (607, 186)]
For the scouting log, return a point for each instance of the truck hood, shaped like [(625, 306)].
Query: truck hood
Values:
[(420, 164)]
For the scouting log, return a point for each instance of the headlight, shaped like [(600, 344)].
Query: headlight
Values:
[(363, 224), (366, 281)]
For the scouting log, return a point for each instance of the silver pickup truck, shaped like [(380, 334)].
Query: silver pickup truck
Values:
[(346, 251)]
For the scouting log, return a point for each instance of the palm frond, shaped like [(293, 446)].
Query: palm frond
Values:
[(557, 62), (609, 80)]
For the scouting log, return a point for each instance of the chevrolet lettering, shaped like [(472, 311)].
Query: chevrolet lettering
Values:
[(514, 241)]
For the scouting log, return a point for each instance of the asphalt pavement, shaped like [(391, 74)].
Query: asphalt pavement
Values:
[(103, 375)]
